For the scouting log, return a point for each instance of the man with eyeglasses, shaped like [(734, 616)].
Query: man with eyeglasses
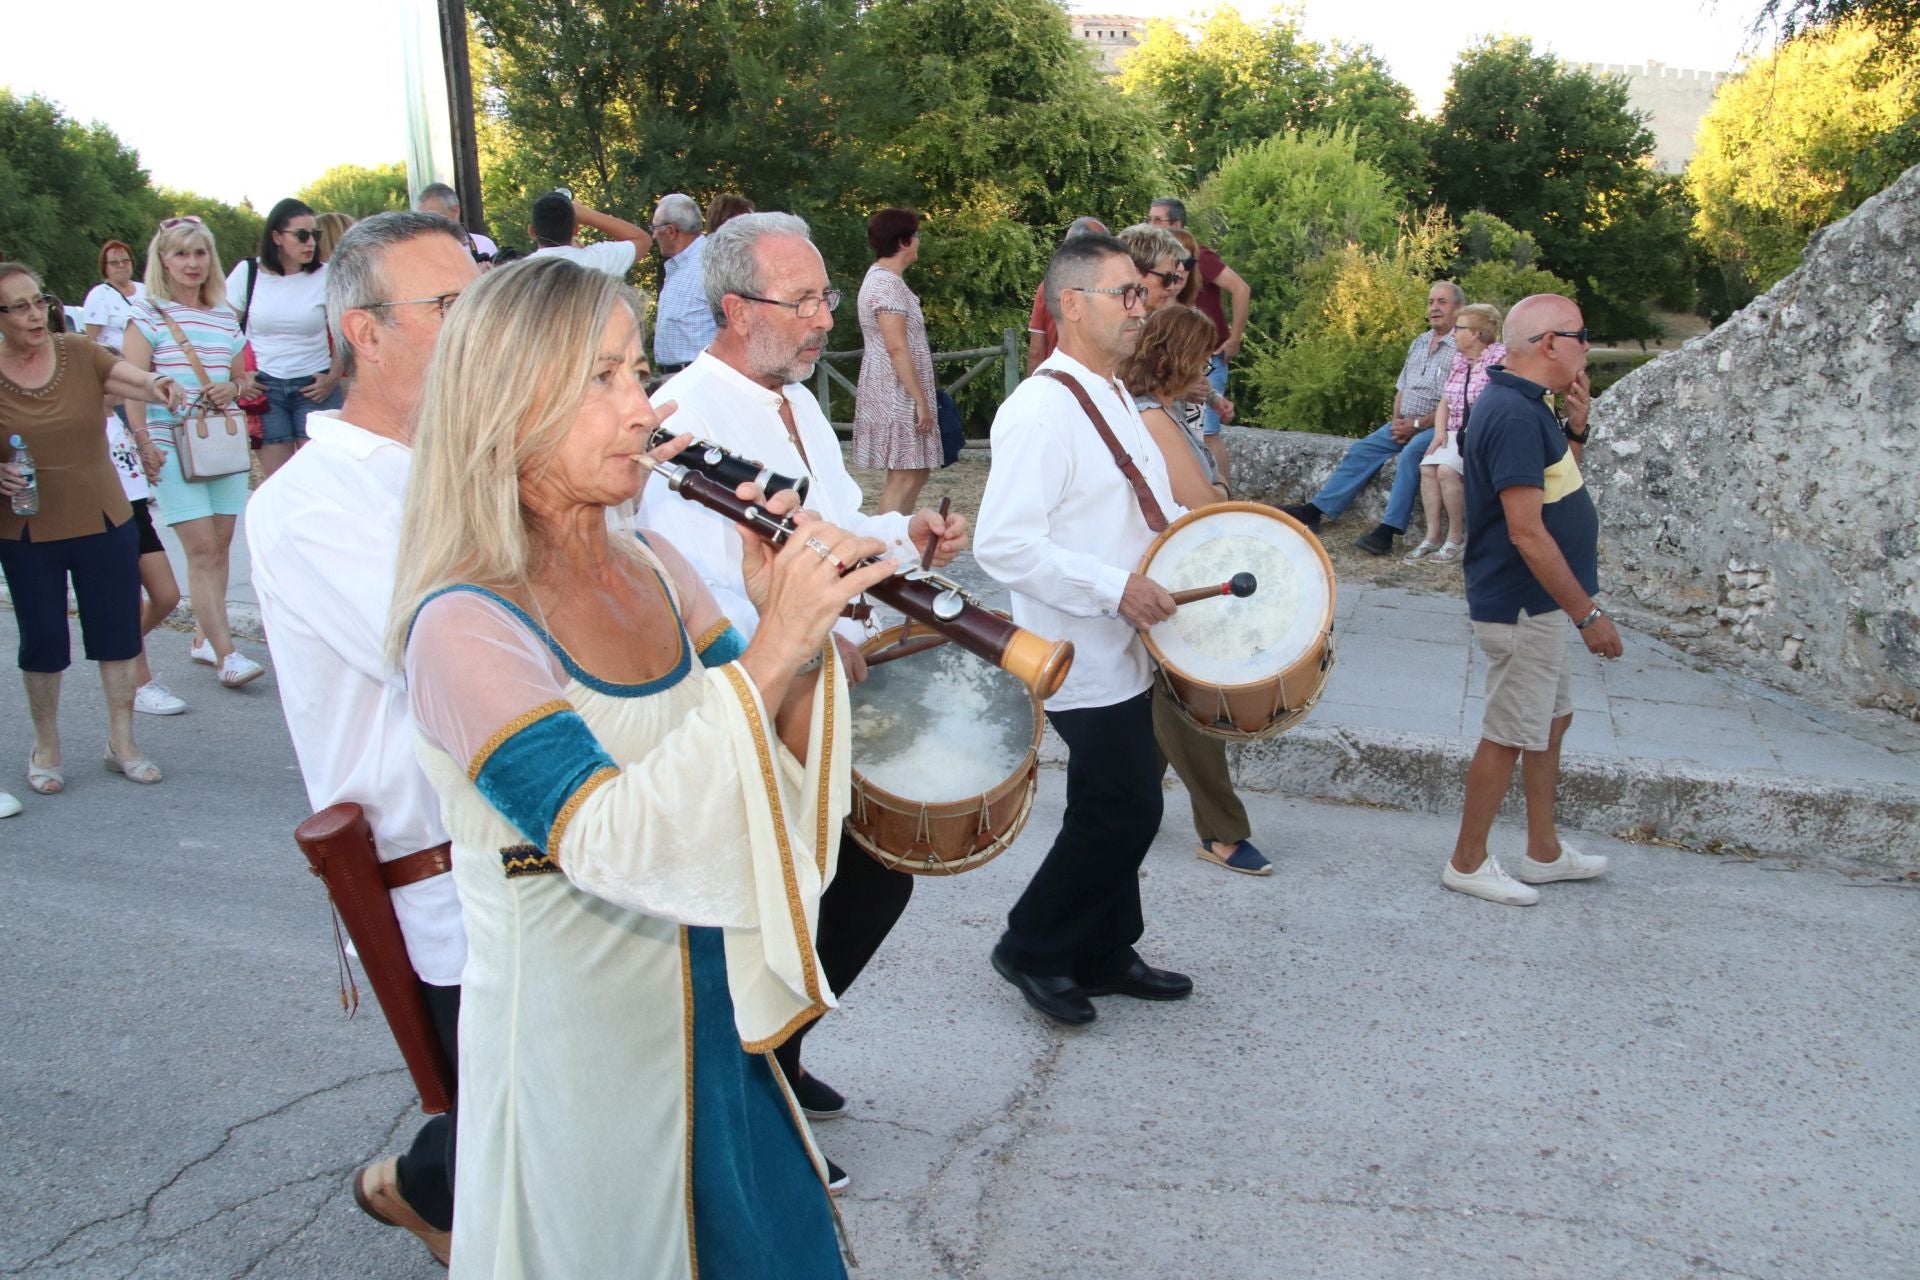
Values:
[(324, 533), (766, 287), (683, 323), (1532, 568), (1042, 335), (1077, 491)]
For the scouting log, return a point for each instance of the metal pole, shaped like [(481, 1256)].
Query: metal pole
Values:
[(823, 389), (466, 150)]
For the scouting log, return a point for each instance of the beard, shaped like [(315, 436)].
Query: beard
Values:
[(770, 355)]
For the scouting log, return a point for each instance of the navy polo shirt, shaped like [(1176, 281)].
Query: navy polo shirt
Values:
[(1513, 439)]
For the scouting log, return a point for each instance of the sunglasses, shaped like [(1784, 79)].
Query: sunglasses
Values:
[(185, 220), (1578, 335), (302, 234), (1171, 279), (1188, 264)]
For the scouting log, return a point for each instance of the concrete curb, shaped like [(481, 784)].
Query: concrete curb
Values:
[(1831, 824)]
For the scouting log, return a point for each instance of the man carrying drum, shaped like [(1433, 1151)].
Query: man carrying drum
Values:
[(767, 287), (1077, 491)]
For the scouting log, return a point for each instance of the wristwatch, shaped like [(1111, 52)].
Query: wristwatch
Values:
[(1589, 620), (1566, 429)]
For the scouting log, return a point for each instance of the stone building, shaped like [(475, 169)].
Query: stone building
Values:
[(1107, 36), (1674, 101)]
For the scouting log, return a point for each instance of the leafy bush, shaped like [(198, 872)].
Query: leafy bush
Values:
[(1504, 284)]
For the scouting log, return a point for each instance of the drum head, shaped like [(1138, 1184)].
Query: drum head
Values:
[(941, 726), (1229, 640)]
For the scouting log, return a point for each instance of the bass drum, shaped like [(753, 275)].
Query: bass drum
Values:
[(1252, 667), (946, 752)]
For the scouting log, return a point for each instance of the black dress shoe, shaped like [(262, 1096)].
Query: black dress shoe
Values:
[(1306, 513), (1378, 541), (1144, 982), (1057, 996)]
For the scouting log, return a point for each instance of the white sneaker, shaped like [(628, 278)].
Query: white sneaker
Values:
[(238, 669), (155, 699), (8, 805), (201, 651), (1426, 548), (1491, 882), (1570, 865)]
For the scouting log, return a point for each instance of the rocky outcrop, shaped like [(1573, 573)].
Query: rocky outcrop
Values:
[(1759, 489)]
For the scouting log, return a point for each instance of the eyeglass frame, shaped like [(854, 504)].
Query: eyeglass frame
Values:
[(1578, 335), (1170, 279), (443, 301), (830, 300), (44, 301), (304, 235), (1129, 294)]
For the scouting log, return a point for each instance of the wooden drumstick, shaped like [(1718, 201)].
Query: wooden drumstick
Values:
[(1240, 584)]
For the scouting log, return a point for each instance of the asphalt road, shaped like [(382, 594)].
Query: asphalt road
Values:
[(1695, 1067)]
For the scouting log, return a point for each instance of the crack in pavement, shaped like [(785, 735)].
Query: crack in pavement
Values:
[(144, 1209)]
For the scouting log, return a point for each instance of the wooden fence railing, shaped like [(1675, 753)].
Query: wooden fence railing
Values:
[(1010, 355)]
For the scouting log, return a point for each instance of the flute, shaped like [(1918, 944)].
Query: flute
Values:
[(1037, 662)]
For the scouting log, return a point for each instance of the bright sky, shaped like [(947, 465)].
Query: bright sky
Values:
[(307, 87)]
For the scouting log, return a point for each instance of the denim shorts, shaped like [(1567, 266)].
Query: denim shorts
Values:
[(286, 417)]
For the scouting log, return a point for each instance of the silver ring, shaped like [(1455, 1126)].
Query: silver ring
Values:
[(819, 548)]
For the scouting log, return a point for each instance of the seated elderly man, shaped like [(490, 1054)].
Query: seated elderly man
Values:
[(1416, 395)]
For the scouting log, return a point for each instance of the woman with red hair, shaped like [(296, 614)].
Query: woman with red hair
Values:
[(109, 304)]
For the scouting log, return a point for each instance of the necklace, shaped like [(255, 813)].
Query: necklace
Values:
[(46, 389)]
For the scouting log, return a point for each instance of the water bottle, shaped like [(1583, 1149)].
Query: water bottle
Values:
[(27, 501)]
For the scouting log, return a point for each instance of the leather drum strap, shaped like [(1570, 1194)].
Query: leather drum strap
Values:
[(415, 867), (1149, 506)]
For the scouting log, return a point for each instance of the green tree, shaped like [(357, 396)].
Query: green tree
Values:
[(1796, 142), (1275, 206), (1559, 154), (357, 191), (1496, 263), (236, 229)]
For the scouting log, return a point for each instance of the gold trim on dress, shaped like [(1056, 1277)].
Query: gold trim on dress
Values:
[(510, 728), (526, 860), (686, 1035), (558, 831), (829, 656), (711, 635), (771, 782)]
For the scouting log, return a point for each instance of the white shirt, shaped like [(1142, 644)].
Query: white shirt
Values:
[(107, 307), (723, 406), (683, 322), (1060, 527), (323, 536), (482, 244), (615, 257), (288, 321)]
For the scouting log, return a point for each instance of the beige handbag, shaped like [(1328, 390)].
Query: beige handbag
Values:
[(208, 440)]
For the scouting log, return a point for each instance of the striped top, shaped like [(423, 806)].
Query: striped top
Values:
[(216, 339)]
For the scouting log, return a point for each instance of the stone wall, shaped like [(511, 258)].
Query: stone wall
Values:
[(1759, 489), (1290, 466)]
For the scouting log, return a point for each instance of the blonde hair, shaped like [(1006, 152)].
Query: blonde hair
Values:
[(327, 230), (1148, 244), (1483, 318), (511, 368), (174, 235)]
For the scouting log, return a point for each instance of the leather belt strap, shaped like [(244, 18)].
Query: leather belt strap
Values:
[(1149, 506), (859, 611), (415, 867)]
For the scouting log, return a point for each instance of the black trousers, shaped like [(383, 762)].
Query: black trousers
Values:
[(857, 912), (1080, 914), (425, 1170)]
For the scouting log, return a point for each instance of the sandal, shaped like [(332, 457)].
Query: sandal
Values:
[(1426, 548), (1245, 859), (1449, 553), (44, 781), (139, 769)]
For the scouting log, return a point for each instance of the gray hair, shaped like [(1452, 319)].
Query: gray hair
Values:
[(1148, 244), (1459, 294), (1084, 224), (1076, 264), (680, 212), (729, 264), (439, 193), (1176, 208), (355, 278)]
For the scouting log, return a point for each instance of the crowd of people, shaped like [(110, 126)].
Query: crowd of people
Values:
[(598, 733)]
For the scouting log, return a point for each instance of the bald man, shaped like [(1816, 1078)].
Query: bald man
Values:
[(1532, 569)]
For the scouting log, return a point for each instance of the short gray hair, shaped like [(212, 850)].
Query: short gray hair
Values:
[(680, 212), (439, 192), (1076, 264), (1148, 244), (1459, 294), (1083, 224), (1176, 208), (355, 275), (729, 264)]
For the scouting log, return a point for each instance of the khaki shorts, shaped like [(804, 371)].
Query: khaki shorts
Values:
[(1529, 679)]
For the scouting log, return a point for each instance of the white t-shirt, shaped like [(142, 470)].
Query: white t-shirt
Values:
[(107, 307), (288, 322), (615, 257), (126, 459), (483, 244)]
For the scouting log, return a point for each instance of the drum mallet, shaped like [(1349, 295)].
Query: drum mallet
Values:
[(1240, 584)]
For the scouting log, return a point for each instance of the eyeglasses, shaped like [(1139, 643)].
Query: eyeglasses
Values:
[(184, 220), (1129, 294), (1578, 335), (1171, 279), (806, 308), (31, 305), (442, 301), (302, 234)]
